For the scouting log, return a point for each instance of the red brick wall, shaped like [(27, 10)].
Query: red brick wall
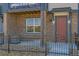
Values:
[(16, 25)]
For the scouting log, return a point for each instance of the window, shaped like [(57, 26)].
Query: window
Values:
[(0, 9), (1, 25), (33, 25)]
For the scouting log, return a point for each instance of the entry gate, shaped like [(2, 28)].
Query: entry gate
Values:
[(63, 43)]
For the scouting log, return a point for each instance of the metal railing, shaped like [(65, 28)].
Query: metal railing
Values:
[(33, 46)]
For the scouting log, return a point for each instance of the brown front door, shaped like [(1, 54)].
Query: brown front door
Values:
[(61, 28)]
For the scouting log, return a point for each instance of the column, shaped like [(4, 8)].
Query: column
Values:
[(5, 27)]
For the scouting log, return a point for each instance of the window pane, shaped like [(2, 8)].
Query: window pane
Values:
[(37, 21), (29, 28), (29, 21), (37, 28)]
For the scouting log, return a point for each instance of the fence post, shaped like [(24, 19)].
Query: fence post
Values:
[(9, 43), (46, 48)]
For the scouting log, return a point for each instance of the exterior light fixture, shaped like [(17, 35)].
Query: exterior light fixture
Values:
[(69, 21), (53, 21)]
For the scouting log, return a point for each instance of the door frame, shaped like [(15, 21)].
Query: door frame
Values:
[(56, 27), (54, 19)]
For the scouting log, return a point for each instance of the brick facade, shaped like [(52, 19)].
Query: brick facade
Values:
[(14, 23)]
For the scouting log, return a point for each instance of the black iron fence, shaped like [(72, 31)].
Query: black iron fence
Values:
[(1, 38), (23, 46)]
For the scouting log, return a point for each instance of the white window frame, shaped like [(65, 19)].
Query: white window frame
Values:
[(33, 25)]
